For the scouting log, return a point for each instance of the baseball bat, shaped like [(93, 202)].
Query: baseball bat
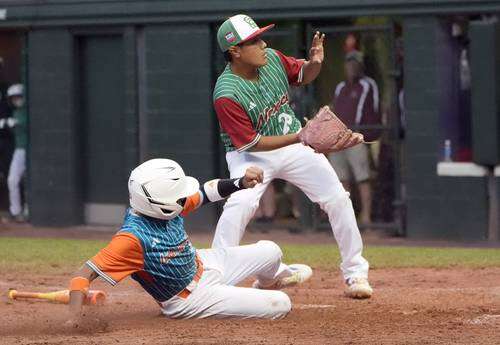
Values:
[(93, 297)]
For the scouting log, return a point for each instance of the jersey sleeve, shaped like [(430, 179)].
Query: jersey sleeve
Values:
[(192, 203), (235, 122), (293, 67), (119, 259)]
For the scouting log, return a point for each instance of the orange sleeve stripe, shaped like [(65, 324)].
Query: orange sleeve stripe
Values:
[(192, 203), (120, 258)]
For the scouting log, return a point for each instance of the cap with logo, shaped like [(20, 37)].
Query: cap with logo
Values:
[(238, 29)]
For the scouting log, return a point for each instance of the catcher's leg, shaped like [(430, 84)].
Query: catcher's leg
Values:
[(312, 173), (241, 206)]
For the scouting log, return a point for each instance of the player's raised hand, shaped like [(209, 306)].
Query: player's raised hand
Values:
[(253, 176), (316, 53)]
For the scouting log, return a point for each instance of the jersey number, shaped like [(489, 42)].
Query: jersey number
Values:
[(287, 121)]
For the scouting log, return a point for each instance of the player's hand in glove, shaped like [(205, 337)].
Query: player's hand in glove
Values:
[(326, 133), (253, 176)]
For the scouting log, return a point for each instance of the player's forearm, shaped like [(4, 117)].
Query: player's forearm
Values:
[(75, 303), (269, 143), (78, 289), (219, 189), (311, 71), (216, 190)]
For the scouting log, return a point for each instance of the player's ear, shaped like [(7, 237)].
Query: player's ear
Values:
[(235, 52)]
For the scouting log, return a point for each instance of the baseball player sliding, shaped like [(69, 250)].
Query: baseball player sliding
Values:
[(258, 127), (153, 248)]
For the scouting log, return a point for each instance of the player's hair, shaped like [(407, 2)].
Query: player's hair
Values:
[(227, 56)]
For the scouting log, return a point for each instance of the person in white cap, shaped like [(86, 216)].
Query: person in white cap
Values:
[(153, 248), (258, 126), (15, 94)]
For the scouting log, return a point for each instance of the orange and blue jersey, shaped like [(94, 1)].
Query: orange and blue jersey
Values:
[(156, 253)]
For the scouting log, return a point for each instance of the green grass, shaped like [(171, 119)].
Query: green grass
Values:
[(62, 255), (45, 255), (397, 257)]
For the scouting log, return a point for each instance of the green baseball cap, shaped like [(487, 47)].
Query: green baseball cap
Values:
[(238, 29)]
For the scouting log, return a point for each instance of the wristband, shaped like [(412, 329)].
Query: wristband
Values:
[(79, 284)]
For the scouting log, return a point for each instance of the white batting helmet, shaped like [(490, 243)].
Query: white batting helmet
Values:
[(157, 186), (15, 90)]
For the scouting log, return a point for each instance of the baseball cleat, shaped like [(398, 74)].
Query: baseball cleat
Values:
[(358, 288), (300, 274)]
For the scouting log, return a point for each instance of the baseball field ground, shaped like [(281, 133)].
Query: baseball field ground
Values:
[(423, 295)]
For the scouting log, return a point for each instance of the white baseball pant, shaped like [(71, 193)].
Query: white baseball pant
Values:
[(313, 174), (16, 172), (215, 294)]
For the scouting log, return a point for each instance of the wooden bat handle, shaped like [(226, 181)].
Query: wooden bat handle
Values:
[(94, 297), (58, 296), (13, 294)]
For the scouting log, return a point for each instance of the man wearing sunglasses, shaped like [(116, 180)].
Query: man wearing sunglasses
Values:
[(258, 127)]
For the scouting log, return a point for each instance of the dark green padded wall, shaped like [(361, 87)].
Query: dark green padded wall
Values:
[(55, 193), (180, 119), (485, 63), (438, 207)]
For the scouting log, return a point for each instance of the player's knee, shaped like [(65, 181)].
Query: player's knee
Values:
[(280, 305), (340, 201), (270, 250)]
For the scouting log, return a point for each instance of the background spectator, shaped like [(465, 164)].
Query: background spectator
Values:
[(15, 93), (356, 102), (6, 139)]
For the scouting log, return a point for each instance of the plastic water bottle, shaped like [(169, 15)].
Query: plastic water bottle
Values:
[(447, 150)]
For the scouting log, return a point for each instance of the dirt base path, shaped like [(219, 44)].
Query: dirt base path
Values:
[(410, 306)]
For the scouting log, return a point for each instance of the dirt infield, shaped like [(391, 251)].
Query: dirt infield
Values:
[(410, 306)]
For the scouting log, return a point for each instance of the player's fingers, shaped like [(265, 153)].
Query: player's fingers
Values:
[(260, 176), (251, 183), (321, 38), (315, 40), (258, 172), (250, 175), (257, 176), (254, 174)]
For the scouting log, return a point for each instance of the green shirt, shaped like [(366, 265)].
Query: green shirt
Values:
[(249, 109), (21, 127)]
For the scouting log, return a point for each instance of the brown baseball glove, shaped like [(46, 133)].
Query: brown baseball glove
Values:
[(326, 133)]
